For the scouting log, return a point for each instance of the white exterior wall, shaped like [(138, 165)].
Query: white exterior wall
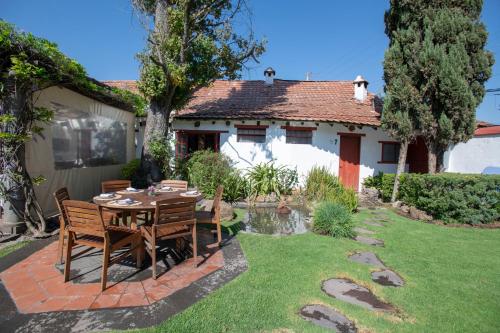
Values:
[(474, 156), (324, 150)]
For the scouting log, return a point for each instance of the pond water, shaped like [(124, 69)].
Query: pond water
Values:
[(265, 220)]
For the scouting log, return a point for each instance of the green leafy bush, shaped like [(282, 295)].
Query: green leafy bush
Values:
[(207, 170), (161, 150), (266, 178), (322, 185), (130, 169), (453, 198), (333, 219)]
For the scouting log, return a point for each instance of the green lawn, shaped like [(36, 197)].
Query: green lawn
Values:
[(452, 282), (11, 248)]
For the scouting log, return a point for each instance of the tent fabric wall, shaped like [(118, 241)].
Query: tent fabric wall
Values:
[(83, 182)]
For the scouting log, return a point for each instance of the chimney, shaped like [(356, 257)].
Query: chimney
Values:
[(269, 74), (360, 88)]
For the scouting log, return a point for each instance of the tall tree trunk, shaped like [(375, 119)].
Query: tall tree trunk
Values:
[(432, 158), (403, 150), (156, 128), (16, 185)]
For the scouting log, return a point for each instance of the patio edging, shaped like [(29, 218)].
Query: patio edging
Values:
[(115, 318)]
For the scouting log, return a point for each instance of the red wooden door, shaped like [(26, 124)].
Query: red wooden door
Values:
[(417, 156), (349, 161)]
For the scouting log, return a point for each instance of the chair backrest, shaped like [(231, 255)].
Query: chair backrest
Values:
[(175, 210), (84, 217), (115, 185), (217, 202), (60, 195), (177, 184)]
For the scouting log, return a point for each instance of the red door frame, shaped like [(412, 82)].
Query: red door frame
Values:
[(349, 159), (181, 140)]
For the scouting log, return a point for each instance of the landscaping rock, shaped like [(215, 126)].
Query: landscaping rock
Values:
[(348, 291), (369, 240), (374, 224), (418, 214), (283, 208), (326, 317), (367, 258), (363, 231), (226, 210), (387, 277), (405, 209)]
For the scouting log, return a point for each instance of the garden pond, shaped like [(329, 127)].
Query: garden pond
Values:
[(266, 220)]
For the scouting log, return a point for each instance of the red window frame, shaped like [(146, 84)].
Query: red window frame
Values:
[(383, 144)]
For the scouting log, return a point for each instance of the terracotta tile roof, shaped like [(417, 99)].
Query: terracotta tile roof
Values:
[(489, 130), (130, 85), (328, 101), (284, 100)]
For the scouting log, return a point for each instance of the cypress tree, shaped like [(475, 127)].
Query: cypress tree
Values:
[(444, 65)]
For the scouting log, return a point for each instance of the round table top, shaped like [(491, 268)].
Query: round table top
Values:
[(141, 196)]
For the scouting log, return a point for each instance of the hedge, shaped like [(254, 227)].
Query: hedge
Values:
[(452, 198)]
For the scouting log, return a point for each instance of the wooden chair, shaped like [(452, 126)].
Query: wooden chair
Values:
[(175, 184), (174, 219), (86, 227), (60, 195), (213, 216), (115, 185)]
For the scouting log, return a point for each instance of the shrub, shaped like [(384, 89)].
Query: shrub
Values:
[(266, 178), (453, 198), (130, 169), (207, 170), (333, 219), (322, 185)]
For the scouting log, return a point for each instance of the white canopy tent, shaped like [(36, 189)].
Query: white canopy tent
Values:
[(87, 142)]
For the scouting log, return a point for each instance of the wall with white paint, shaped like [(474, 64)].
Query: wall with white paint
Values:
[(475, 156), (324, 150)]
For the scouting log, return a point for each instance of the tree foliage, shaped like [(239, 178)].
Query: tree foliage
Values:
[(435, 70), (29, 64), (191, 44)]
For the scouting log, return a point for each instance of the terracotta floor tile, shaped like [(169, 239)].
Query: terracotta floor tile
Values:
[(26, 303), (84, 289), (43, 273), (105, 301), (57, 287), (180, 283), (158, 293), (51, 304), (150, 283), (113, 288), (23, 288), (134, 288), (133, 299), (80, 303)]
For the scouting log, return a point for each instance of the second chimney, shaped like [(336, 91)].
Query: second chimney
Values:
[(360, 88), (269, 74)]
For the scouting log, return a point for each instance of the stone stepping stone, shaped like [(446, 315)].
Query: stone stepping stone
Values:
[(348, 291), (363, 231), (373, 224), (367, 258), (328, 318), (369, 240), (387, 277)]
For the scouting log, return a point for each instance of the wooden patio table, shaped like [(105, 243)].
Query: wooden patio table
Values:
[(144, 199)]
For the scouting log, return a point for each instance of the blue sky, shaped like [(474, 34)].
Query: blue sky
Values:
[(335, 40)]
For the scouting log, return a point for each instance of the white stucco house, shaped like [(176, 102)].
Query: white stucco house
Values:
[(299, 124), (481, 154)]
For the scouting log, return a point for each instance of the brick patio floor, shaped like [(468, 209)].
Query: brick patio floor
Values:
[(37, 285)]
